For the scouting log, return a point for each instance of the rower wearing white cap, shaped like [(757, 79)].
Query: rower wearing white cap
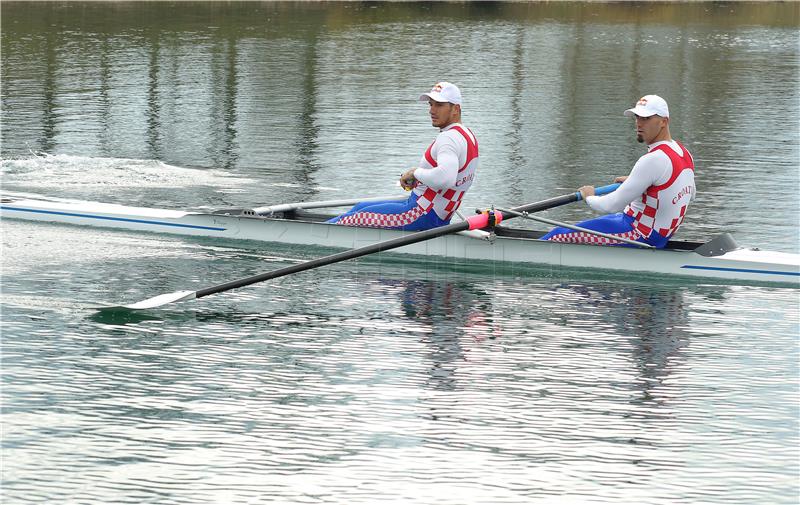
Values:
[(445, 173), (652, 201)]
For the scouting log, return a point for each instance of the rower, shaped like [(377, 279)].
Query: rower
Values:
[(652, 201), (445, 173)]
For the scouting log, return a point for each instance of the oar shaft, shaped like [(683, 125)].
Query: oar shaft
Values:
[(285, 207), (561, 200), (335, 258), (474, 222)]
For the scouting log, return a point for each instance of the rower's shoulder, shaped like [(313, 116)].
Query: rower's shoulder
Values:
[(454, 132), (672, 144)]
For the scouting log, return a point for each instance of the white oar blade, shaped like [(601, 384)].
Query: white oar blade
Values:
[(158, 301), (154, 302)]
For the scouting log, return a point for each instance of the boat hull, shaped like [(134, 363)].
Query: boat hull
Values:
[(746, 265)]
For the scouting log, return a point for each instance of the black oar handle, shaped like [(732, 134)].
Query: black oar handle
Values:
[(474, 222)]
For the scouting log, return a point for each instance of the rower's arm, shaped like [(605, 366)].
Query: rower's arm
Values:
[(648, 171), (444, 174)]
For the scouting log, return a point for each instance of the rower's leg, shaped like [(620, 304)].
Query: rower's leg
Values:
[(407, 216), (613, 224)]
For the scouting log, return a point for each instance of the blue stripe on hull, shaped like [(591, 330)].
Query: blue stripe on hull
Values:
[(107, 218), (746, 270)]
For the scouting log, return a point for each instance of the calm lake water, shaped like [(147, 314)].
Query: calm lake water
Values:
[(384, 380)]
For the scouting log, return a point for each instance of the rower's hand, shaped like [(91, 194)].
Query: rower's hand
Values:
[(586, 191), (621, 178), (407, 180)]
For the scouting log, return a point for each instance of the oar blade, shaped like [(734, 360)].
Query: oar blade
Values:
[(154, 302)]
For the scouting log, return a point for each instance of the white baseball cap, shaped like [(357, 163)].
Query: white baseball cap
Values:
[(443, 92), (649, 105)]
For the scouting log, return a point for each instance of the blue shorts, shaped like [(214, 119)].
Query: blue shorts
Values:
[(612, 224), (404, 215)]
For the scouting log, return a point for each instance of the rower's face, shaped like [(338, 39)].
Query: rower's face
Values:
[(442, 113), (649, 128)]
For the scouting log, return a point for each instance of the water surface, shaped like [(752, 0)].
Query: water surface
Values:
[(383, 379)]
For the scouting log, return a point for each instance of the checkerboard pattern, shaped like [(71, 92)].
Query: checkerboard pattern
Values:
[(375, 220), (581, 237), (673, 227)]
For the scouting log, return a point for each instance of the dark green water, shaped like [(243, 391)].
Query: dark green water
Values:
[(385, 380)]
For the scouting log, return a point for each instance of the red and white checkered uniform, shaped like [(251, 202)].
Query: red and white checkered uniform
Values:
[(447, 200), (662, 208), (581, 237), (376, 220)]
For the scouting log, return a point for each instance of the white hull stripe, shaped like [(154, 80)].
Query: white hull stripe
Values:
[(748, 270), (108, 218)]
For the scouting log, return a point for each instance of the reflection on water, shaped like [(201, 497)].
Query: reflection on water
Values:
[(654, 319), (385, 377), (446, 314), (386, 380)]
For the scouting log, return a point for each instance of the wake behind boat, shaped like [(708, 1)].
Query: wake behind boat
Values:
[(297, 224)]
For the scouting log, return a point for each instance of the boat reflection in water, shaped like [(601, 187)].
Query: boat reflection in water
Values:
[(631, 338)]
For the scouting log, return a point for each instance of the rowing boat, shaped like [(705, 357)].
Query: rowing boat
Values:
[(297, 224)]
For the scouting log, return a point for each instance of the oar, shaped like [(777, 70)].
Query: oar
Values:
[(472, 223), (552, 222), (285, 207)]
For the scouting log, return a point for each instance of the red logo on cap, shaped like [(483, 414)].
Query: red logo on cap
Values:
[(642, 101), (437, 87)]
